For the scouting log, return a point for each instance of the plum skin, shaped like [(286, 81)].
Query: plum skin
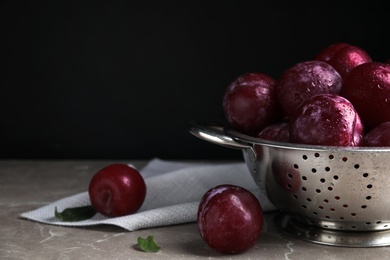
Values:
[(343, 57), (379, 136), (117, 190), (304, 80), (229, 219), (250, 103), (329, 51), (327, 119), (276, 132), (367, 87)]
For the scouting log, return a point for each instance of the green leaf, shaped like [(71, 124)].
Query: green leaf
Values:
[(75, 214), (148, 244)]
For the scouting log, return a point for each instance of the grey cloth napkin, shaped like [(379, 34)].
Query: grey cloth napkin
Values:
[(174, 190)]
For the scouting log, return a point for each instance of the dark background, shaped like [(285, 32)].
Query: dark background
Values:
[(122, 80)]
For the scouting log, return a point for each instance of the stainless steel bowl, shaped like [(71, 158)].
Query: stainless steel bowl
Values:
[(329, 195)]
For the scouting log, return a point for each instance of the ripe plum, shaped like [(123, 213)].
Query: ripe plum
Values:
[(379, 136), (250, 103), (229, 219), (326, 119), (348, 58), (329, 51), (304, 80), (367, 87), (117, 190), (276, 132)]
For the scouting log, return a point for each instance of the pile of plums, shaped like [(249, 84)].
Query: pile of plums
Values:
[(339, 98)]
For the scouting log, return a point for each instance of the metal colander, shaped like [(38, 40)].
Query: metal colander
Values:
[(329, 195)]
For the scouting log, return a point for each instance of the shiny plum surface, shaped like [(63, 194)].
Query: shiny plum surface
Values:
[(367, 87), (250, 103), (276, 132), (329, 51), (229, 219), (379, 136), (348, 58), (304, 80), (326, 119), (355, 99), (117, 190)]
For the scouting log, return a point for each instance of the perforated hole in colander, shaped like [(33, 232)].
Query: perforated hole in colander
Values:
[(318, 184)]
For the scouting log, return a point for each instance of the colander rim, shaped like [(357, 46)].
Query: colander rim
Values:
[(294, 146)]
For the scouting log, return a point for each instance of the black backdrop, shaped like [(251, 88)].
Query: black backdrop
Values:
[(118, 79)]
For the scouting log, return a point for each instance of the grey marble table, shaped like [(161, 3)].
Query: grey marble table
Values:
[(27, 185)]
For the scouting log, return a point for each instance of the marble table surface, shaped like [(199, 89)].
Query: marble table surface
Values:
[(29, 184)]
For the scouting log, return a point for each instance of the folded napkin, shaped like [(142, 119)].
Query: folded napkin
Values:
[(174, 190)]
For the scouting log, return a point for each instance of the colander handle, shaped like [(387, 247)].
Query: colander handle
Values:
[(216, 134)]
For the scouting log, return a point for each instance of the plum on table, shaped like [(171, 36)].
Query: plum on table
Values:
[(229, 219)]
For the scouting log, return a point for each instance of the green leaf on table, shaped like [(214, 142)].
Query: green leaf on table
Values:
[(75, 214), (148, 244)]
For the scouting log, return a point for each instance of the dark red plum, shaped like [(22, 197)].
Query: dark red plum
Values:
[(250, 103), (117, 190), (229, 219), (276, 132), (326, 119), (367, 87), (348, 58), (379, 136), (304, 80), (329, 51)]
